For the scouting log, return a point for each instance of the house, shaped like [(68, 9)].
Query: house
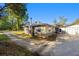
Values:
[(42, 28), (72, 29), (38, 29)]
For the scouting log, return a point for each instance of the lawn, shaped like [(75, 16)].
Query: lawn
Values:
[(22, 34), (3, 37), (9, 48)]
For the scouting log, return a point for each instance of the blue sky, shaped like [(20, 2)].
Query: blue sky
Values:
[(47, 12)]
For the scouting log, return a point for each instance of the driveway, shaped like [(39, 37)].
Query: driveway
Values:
[(64, 46)]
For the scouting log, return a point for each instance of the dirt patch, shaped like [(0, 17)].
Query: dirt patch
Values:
[(11, 49)]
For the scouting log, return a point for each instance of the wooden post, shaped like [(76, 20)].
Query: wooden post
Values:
[(33, 31)]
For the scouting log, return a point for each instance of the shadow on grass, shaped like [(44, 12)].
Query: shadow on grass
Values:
[(8, 48)]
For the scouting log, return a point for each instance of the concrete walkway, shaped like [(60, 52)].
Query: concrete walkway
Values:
[(68, 47)]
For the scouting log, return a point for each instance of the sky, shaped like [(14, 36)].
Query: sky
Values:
[(48, 12), (1, 5)]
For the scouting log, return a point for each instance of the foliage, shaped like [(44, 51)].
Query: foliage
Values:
[(16, 14), (4, 24), (62, 21), (3, 37), (75, 22)]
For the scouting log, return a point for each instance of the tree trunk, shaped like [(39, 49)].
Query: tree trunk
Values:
[(17, 25)]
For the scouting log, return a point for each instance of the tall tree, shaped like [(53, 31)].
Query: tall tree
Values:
[(76, 21), (1, 10), (3, 18), (62, 20), (17, 13), (60, 23)]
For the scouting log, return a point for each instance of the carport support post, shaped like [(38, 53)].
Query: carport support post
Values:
[(33, 32)]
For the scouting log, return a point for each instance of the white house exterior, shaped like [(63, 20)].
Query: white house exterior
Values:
[(38, 28), (72, 30)]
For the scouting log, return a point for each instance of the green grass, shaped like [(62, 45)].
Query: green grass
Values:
[(3, 37), (9, 48)]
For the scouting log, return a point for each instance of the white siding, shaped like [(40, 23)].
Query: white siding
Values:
[(73, 30)]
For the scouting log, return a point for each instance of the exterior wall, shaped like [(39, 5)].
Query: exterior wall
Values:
[(44, 29), (27, 30), (72, 30)]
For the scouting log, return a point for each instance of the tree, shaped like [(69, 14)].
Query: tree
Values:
[(3, 18), (4, 24), (75, 22), (55, 22), (62, 21), (17, 13), (1, 11)]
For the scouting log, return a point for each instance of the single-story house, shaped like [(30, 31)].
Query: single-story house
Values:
[(35, 29), (72, 29)]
